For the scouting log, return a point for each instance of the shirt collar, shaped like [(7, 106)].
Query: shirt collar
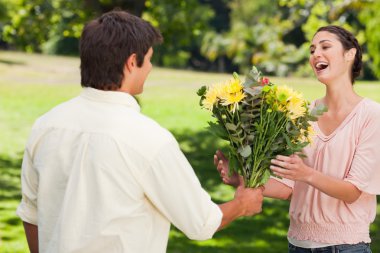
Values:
[(111, 97)]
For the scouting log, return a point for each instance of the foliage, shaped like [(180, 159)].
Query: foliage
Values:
[(202, 34), (54, 26), (259, 120), (182, 25), (371, 18), (36, 26), (255, 37)]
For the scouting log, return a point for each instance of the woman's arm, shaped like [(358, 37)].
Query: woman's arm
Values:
[(293, 168), (277, 190)]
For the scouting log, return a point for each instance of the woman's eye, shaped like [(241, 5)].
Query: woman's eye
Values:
[(311, 51)]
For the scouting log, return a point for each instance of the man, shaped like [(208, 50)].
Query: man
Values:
[(98, 176)]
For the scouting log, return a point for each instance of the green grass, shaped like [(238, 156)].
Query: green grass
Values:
[(32, 84)]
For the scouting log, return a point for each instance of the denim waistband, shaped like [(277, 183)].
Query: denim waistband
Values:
[(364, 247)]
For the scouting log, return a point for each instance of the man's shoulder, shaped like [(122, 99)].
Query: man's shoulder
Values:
[(145, 132), (57, 112)]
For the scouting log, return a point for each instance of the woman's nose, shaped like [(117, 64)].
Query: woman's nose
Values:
[(317, 52)]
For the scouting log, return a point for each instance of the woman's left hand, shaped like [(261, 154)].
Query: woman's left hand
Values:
[(291, 167)]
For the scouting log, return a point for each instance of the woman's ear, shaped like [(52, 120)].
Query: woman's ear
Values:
[(350, 54), (131, 62)]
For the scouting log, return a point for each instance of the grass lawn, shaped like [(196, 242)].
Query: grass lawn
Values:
[(32, 84)]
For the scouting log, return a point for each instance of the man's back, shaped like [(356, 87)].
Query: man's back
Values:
[(90, 156)]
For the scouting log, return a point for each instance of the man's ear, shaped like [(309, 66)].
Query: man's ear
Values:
[(350, 54), (131, 62)]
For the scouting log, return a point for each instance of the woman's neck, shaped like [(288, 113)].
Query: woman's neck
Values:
[(340, 95)]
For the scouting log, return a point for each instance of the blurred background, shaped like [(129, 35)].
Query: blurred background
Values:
[(205, 41), (208, 35)]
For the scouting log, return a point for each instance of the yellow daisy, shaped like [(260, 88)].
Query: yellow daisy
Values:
[(296, 108), (234, 85), (211, 97), (233, 100)]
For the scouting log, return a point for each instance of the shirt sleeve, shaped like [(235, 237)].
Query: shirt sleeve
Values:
[(172, 186), (365, 168), (27, 209)]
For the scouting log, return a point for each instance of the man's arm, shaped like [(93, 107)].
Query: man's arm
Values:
[(247, 202), (31, 232)]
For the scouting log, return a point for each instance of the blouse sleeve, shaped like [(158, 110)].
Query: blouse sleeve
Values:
[(365, 167)]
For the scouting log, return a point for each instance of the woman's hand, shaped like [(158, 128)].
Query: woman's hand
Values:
[(221, 163), (291, 167)]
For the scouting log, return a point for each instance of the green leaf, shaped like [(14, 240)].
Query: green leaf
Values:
[(266, 88), (218, 130), (252, 78), (254, 92), (245, 151), (318, 110), (235, 139), (202, 91), (265, 177), (233, 162), (231, 126)]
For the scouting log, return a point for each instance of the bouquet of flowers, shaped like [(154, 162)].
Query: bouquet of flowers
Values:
[(259, 120)]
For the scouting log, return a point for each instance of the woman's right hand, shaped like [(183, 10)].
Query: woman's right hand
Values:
[(221, 163)]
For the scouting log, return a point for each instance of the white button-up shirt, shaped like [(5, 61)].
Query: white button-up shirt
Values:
[(98, 176)]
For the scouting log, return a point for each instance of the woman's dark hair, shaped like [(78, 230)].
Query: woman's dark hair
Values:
[(348, 41), (107, 42)]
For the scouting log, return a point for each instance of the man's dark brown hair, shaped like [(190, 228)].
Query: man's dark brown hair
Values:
[(107, 42)]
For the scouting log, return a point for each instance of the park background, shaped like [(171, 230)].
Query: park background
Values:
[(205, 41)]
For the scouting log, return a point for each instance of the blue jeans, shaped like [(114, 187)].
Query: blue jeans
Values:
[(342, 248)]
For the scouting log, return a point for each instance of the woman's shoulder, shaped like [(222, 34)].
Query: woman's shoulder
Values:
[(371, 107), (370, 111)]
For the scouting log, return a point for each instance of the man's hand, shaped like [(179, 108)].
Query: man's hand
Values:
[(247, 202), (221, 163), (250, 200)]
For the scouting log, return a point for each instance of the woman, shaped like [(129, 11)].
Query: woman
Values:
[(333, 190)]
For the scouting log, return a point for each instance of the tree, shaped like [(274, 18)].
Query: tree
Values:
[(182, 24), (54, 26), (256, 37), (371, 18)]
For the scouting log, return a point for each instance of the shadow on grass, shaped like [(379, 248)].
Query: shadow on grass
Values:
[(10, 169), (265, 232), (10, 195), (10, 62)]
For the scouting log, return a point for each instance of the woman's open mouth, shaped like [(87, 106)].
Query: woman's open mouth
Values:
[(320, 66)]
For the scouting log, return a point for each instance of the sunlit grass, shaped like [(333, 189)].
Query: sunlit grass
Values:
[(30, 85)]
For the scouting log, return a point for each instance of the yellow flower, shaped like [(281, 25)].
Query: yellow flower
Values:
[(310, 134), (233, 100), (211, 97), (307, 135), (296, 108), (234, 85), (283, 93), (292, 100)]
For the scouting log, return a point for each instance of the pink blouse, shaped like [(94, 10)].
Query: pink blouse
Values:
[(351, 153)]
